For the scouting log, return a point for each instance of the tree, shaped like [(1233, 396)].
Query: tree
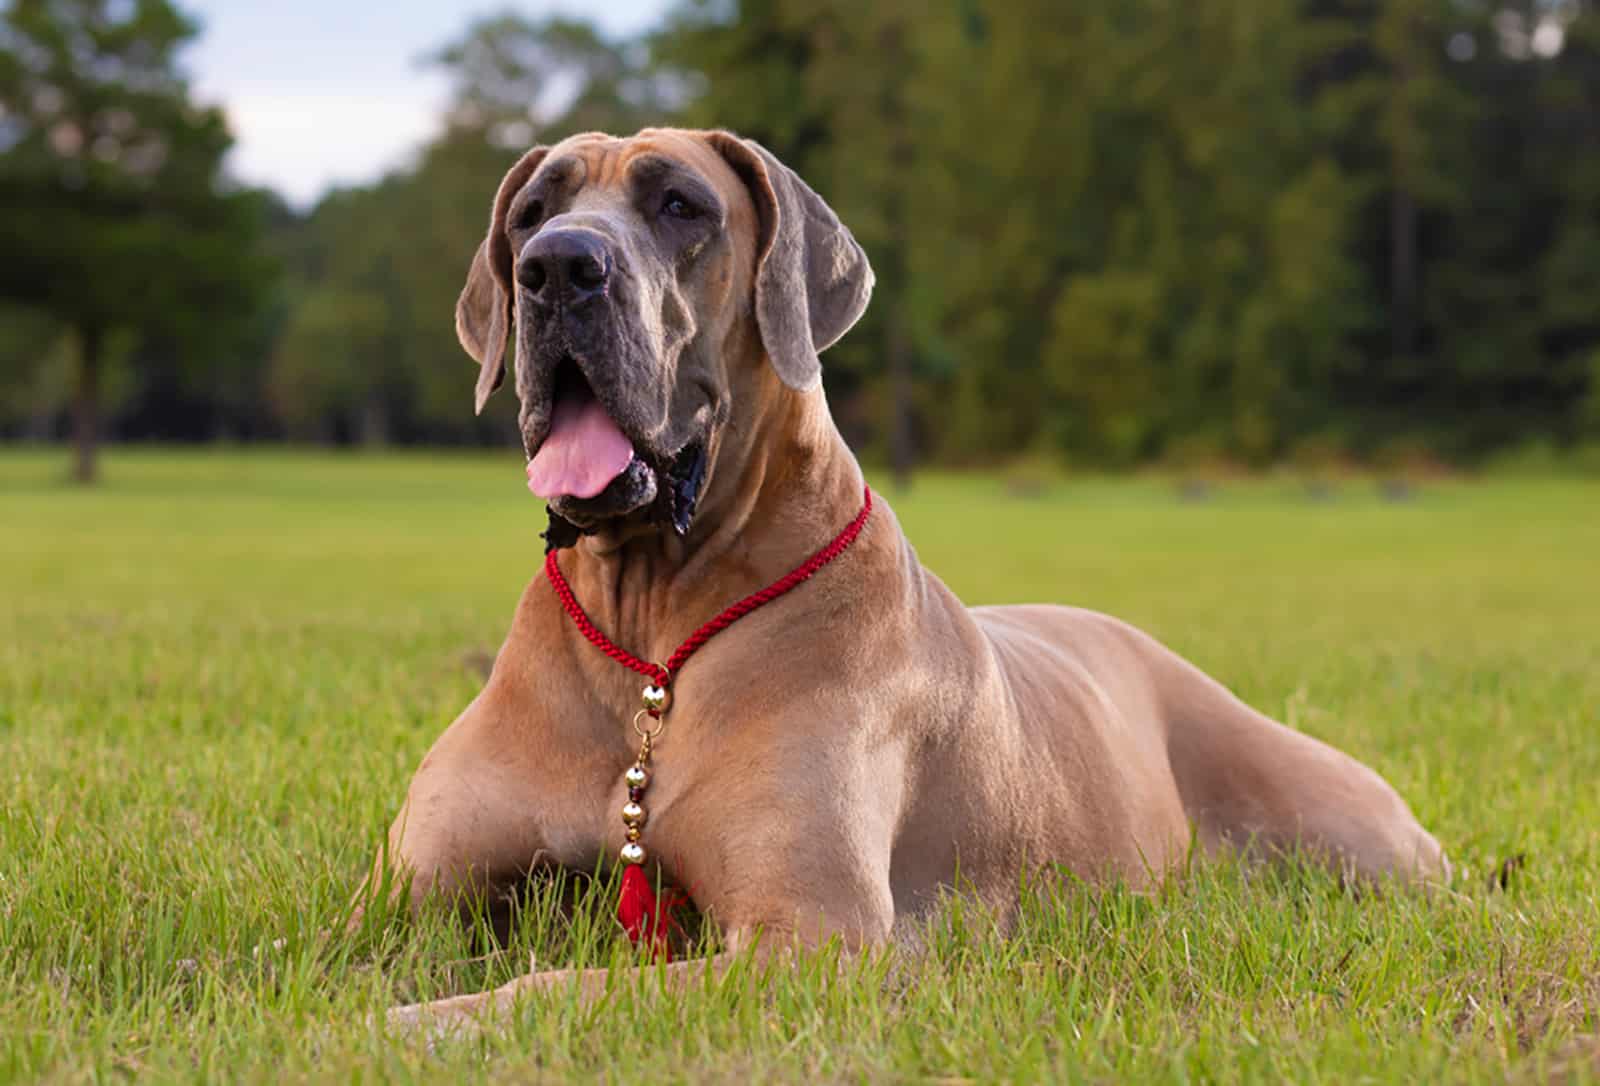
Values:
[(515, 81), (1567, 157), (116, 219), (837, 91), (1147, 240), (369, 351)]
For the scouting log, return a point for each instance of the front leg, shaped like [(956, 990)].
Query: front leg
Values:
[(499, 793), (794, 880), (465, 1014)]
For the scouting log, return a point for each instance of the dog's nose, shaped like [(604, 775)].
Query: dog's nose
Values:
[(564, 266)]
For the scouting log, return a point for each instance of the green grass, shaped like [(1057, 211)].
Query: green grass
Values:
[(217, 673)]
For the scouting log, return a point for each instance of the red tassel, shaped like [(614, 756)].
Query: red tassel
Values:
[(641, 914)]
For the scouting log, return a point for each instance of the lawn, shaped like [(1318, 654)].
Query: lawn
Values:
[(217, 673)]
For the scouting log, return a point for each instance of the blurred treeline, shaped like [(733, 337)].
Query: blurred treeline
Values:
[(1110, 230)]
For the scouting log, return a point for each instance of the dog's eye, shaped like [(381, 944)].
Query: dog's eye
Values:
[(529, 216), (677, 206)]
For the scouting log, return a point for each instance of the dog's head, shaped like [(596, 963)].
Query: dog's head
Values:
[(646, 282)]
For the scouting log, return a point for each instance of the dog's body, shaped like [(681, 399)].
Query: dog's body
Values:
[(837, 758)]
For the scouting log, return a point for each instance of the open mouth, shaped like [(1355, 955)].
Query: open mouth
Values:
[(585, 449), (588, 471)]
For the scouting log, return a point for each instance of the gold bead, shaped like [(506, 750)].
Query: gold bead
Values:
[(633, 833), (633, 814), (637, 776), (654, 697), (632, 853)]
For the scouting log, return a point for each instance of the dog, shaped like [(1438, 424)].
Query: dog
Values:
[(829, 761)]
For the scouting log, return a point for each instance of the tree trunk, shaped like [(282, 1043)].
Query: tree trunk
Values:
[(86, 407), (902, 456), (1403, 272), (897, 330), (1405, 153), (372, 428)]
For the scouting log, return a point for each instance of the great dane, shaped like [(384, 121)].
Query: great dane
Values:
[(833, 759)]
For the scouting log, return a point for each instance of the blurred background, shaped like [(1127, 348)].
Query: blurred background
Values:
[(1108, 233)]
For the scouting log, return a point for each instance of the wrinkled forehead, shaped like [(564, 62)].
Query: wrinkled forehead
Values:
[(597, 168)]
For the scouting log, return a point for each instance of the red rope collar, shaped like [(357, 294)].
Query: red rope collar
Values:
[(662, 675), (643, 917)]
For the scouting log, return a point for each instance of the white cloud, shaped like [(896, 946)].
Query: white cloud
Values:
[(301, 143), (322, 93)]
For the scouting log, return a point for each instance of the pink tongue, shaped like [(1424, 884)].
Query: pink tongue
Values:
[(583, 453)]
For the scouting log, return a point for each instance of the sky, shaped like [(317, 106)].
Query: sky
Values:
[(331, 92)]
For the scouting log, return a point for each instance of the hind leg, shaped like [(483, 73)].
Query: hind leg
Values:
[(1248, 781)]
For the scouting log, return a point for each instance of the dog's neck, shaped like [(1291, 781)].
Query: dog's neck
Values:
[(782, 483)]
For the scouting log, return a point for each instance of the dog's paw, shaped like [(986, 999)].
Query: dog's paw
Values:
[(441, 1020)]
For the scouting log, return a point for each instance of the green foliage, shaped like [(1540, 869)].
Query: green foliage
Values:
[(1118, 227), (370, 353), (109, 175), (1108, 231), (516, 79), (218, 673), (33, 367), (115, 217)]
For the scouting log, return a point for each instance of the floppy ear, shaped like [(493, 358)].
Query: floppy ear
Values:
[(812, 279), (483, 312)]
